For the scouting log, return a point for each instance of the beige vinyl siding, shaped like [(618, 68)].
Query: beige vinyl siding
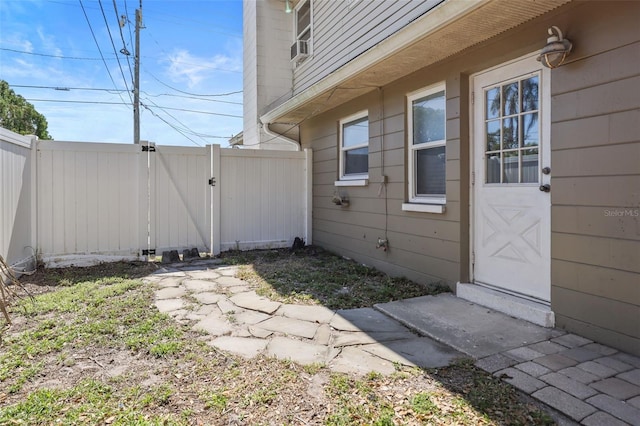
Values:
[(596, 177), (423, 247), (343, 31)]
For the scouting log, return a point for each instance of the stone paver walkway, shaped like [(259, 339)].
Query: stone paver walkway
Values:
[(206, 295), (588, 382)]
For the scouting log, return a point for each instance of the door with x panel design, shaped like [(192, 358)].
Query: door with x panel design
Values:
[(511, 165)]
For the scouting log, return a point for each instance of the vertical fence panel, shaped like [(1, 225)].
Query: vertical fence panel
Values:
[(87, 200), (181, 213), (15, 199), (262, 198)]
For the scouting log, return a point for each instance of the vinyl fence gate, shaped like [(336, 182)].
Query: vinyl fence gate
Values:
[(97, 201)]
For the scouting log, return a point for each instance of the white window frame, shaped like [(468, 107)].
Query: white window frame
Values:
[(416, 201), (296, 32), (353, 179)]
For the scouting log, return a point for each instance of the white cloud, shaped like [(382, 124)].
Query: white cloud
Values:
[(48, 42), (183, 66)]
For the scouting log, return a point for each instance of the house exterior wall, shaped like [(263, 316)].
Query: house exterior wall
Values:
[(267, 68), (343, 30), (595, 180), (596, 176)]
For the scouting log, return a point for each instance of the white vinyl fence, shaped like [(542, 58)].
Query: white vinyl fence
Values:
[(93, 202), (17, 246)]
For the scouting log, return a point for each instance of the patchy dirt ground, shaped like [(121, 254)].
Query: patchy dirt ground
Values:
[(92, 349)]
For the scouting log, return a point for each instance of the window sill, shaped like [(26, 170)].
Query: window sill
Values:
[(423, 208), (353, 182)]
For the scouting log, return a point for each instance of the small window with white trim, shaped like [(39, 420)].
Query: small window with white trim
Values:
[(427, 145), (354, 147)]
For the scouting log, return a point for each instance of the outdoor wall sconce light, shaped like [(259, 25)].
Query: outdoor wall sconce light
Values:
[(339, 200), (556, 50), (287, 6)]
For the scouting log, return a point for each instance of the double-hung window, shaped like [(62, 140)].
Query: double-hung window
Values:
[(354, 147), (427, 147)]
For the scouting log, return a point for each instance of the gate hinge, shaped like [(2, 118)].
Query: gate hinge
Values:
[(212, 181), (149, 148), (146, 252)]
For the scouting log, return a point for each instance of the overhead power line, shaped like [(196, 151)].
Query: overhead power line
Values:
[(125, 103), (113, 45), (98, 46), (188, 93), (55, 56)]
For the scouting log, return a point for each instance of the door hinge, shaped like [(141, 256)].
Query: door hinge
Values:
[(149, 148), (473, 257), (473, 98), (146, 252), (473, 178), (212, 181)]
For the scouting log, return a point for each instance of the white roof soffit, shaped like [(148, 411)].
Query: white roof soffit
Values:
[(444, 31)]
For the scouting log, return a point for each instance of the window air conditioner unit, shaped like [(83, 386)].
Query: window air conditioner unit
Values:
[(299, 50)]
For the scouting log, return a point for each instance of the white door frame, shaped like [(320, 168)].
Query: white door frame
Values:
[(545, 154)]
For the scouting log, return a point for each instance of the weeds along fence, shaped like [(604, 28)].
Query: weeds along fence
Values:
[(82, 202)]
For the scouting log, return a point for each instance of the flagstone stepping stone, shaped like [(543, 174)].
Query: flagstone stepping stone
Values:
[(170, 282), (170, 293), (250, 300), (226, 306), (259, 332), (365, 319), (250, 317), (231, 282), (214, 325), (355, 360), (199, 286), (289, 326), (247, 347), (168, 305), (208, 298), (295, 350), (203, 275), (227, 271), (352, 338), (323, 335), (318, 314)]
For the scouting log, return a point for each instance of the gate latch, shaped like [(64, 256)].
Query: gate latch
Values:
[(212, 181)]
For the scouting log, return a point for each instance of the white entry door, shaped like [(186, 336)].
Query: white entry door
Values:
[(511, 165)]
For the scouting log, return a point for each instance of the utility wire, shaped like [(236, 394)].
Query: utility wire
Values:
[(66, 89), (169, 124), (106, 23), (124, 50), (113, 91), (170, 115), (188, 93), (126, 103), (99, 50), (54, 56), (192, 97)]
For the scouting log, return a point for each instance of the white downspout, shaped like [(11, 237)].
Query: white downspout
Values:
[(268, 131)]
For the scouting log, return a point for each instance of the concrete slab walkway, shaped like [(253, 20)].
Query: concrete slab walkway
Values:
[(587, 382), (590, 383)]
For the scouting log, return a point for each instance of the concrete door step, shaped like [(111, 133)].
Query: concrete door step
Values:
[(470, 328), (528, 310)]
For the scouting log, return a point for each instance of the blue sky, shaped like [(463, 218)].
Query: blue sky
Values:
[(190, 50)]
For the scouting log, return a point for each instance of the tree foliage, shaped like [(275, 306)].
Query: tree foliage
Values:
[(18, 115)]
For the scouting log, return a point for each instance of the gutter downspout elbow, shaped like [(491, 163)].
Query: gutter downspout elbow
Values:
[(268, 131)]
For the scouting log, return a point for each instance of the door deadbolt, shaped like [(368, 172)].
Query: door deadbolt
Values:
[(546, 170)]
